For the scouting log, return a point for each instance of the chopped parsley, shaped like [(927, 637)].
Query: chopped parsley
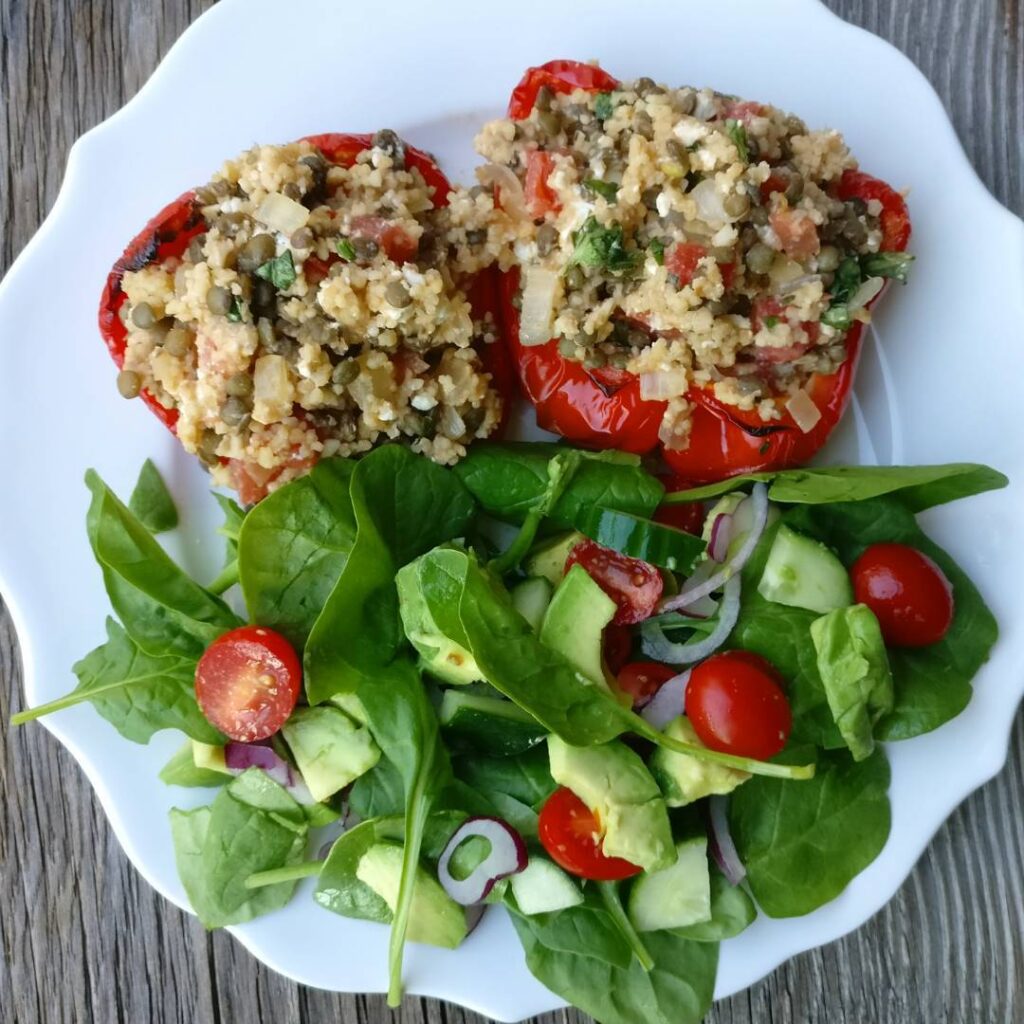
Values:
[(603, 106), (345, 249), (771, 322), (234, 314), (597, 246), (657, 250), (838, 316), (280, 271), (738, 133), (847, 280), (606, 189), (887, 264)]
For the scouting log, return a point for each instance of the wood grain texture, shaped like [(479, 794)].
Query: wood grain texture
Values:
[(84, 939)]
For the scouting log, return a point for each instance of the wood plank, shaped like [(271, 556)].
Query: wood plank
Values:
[(84, 939)]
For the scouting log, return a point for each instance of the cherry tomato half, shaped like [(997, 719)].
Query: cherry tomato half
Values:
[(633, 585), (643, 679), (907, 591), (571, 834), (618, 645), (247, 683), (735, 704)]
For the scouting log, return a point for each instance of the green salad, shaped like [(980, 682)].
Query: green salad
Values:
[(633, 719)]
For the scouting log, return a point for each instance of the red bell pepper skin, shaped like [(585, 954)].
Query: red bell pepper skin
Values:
[(560, 76)]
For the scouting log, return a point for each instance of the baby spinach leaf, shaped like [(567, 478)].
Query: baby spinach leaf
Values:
[(509, 480), (379, 792), (182, 770), (918, 487), (162, 609), (678, 990), (293, 546), (151, 503), (338, 889), (138, 693), (525, 777), (234, 516), (253, 825), (803, 844)]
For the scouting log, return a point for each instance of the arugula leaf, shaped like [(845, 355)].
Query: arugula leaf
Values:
[(280, 271), (138, 693), (657, 250), (293, 547), (603, 106), (162, 609), (182, 770), (802, 845), (509, 480), (597, 246), (605, 189), (738, 133), (917, 487), (678, 990), (151, 503), (253, 825), (893, 265), (345, 250)]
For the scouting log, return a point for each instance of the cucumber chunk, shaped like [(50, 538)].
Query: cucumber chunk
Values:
[(531, 599), (803, 573), (542, 887), (676, 896), (490, 724)]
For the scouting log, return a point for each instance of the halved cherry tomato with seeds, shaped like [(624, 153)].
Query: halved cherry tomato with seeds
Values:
[(643, 679), (634, 586), (736, 705), (247, 683), (571, 834)]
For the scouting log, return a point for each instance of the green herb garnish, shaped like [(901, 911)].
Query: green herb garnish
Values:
[(887, 264), (603, 106), (280, 271), (838, 316), (597, 246), (657, 250), (345, 249), (234, 314), (771, 322), (606, 189), (738, 133)]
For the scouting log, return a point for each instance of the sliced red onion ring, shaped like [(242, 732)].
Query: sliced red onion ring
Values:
[(704, 607), (239, 756), (721, 537), (694, 592), (723, 849), (656, 645), (668, 703), (507, 857)]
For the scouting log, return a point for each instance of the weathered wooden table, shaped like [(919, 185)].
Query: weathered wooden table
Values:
[(85, 940)]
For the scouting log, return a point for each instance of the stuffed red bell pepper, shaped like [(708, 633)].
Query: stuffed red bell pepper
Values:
[(684, 268), (305, 303)]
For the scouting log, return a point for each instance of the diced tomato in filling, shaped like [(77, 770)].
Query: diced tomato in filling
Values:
[(743, 110), (764, 309), (682, 260), (541, 198), (797, 232), (399, 245), (252, 481), (775, 182)]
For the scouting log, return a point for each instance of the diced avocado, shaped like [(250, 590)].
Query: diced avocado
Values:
[(548, 559), (208, 756), (441, 656), (575, 621), (542, 887), (531, 599), (435, 918), (616, 786), (676, 896), (803, 573), (352, 706), (329, 748), (684, 778), (854, 670), (492, 725)]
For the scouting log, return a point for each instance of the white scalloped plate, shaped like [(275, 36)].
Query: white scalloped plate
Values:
[(260, 70)]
